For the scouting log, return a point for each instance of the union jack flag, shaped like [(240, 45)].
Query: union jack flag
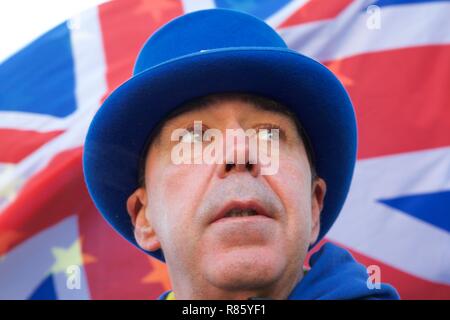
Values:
[(393, 56)]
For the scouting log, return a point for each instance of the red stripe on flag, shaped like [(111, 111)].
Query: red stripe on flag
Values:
[(121, 271), (409, 286), (51, 195), (18, 144), (126, 25), (59, 191), (316, 10), (400, 97)]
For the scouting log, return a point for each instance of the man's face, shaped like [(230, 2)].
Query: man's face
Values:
[(225, 226)]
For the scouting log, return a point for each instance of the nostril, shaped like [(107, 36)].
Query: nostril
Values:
[(248, 166)]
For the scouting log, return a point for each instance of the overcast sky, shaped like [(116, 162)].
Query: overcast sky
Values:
[(22, 21)]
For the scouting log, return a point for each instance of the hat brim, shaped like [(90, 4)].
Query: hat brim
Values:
[(119, 131)]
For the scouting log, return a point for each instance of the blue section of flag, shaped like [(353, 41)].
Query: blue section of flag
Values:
[(45, 291), (433, 208), (382, 3), (40, 78), (259, 8)]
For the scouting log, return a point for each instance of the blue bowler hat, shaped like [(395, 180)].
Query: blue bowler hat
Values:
[(206, 52)]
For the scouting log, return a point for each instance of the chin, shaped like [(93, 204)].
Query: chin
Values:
[(245, 268)]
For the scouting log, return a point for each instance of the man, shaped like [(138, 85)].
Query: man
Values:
[(234, 227)]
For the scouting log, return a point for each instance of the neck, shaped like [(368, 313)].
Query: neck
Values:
[(278, 290)]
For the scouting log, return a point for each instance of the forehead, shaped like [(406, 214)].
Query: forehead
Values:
[(200, 107), (219, 102)]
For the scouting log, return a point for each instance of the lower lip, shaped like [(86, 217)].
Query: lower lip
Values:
[(244, 219)]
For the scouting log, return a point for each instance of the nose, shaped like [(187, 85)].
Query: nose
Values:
[(230, 167), (238, 155)]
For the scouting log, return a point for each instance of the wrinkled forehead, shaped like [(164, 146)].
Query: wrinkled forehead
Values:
[(209, 103)]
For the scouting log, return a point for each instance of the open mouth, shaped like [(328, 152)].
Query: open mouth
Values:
[(240, 209), (236, 212)]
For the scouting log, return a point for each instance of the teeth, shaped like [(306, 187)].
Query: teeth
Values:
[(241, 213)]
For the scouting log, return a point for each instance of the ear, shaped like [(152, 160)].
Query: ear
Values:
[(143, 231), (319, 188)]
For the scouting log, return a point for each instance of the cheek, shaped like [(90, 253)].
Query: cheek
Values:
[(292, 184), (174, 192)]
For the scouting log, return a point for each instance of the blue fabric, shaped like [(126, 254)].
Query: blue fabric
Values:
[(383, 3), (430, 207), (41, 77), (335, 275), (45, 291), (262, 9), (202, 53)]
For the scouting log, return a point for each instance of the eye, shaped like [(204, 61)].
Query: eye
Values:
[(265, 134), (193, 135), (268, 132)]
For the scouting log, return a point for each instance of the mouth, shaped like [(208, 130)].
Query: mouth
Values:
[(242, 210)]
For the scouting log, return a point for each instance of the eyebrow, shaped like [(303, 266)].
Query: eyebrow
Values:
[(257, 101), (204, 102)]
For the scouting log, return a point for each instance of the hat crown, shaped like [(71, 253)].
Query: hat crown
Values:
[(205, 30)]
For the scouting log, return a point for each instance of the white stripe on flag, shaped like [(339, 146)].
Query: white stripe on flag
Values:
[(195, 5), (390, 235), (281, 15), (90, 88), (26, 266), (402, 26)]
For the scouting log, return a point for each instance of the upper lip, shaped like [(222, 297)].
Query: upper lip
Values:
[(243, 205)]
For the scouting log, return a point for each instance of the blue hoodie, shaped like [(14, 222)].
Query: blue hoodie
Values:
[(335, 275)]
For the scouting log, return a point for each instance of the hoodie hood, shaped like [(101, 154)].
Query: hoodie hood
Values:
[(335, 275)]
